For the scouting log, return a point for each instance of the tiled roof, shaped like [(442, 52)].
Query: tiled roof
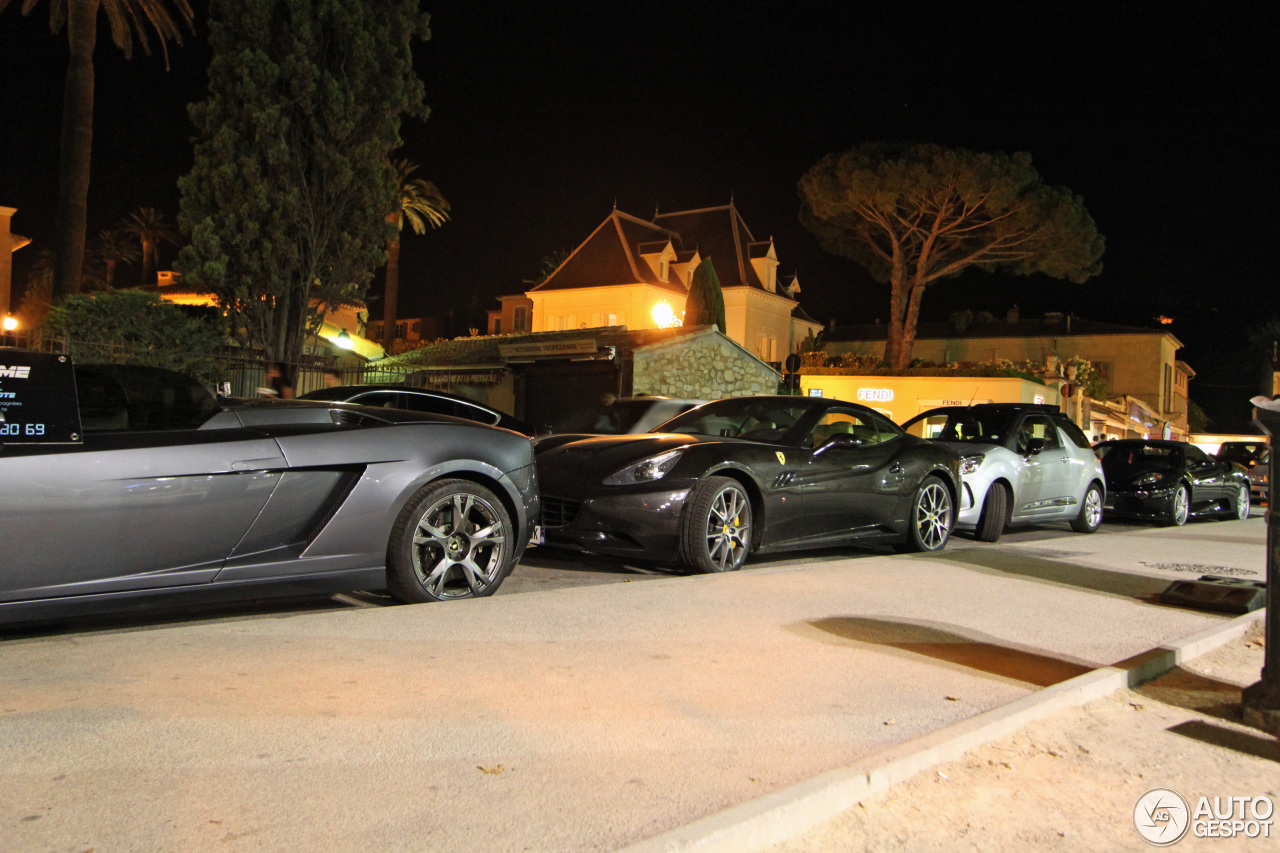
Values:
[(611, 254), (483, 351)]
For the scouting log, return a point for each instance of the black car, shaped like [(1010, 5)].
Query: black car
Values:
[(747, 475), (419, 400), (157, 492), (1246, 453), (1171, 482)]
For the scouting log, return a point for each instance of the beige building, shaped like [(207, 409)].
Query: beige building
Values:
[(636, 273), (1137, 363), (903, 397)]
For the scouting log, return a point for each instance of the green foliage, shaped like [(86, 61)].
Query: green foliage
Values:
[(705, 303), (133, 327), (287, 202), (914, 214), (1197, 420), (550, 263)]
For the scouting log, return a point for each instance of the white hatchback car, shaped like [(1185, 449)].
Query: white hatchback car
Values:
[(1020, 464)]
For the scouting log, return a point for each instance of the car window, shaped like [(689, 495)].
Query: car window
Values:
[(978, 425), (1125, 458), (846, 421), (475, 413), (1074, 433), (136, 398), (1037, 426), (753, 419), (1196, 456), (381, 399), (886, 430)]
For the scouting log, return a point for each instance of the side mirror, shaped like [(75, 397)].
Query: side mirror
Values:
[(1034, 446), (841, 440)]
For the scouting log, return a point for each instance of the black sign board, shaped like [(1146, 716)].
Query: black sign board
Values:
[(37, 399)]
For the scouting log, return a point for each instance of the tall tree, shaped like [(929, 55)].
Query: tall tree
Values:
[(705, 302), (112, 248), (421, 203), (915, 214), (125, 18), (286, 203), (151, 229), (550, 262)]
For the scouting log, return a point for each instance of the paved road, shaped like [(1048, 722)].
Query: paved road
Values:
[(572, 719)]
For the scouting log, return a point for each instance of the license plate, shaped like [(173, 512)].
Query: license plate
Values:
[(539, 536)]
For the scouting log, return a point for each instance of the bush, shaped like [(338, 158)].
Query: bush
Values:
[(134, 327)]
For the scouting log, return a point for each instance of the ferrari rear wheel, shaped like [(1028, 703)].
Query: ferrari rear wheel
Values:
[(716, 532), (453, 539), (995, 513), (1242, 502), (930, 517)]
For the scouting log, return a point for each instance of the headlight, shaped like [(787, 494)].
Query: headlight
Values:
[(970, 464), (1148, 479), (646, 470)]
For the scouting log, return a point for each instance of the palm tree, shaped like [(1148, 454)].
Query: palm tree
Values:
[(125, 19), (151, 229), (112, 247), (421, 203)]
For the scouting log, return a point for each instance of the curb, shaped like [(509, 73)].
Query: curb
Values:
[(777, 817)]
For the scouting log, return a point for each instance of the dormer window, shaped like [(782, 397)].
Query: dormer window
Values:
[(664, 269)]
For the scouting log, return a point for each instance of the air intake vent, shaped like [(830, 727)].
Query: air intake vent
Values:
[(344, 417), (557, 512)]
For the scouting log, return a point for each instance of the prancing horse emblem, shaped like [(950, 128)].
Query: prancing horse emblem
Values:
[(782, 460)]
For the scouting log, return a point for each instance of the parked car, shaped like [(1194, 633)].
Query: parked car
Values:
[(1260, 479), (1171, 482), (1246, 453), (623, 415), (171, 494), (419, 400), (742, 476), (1020, 463)]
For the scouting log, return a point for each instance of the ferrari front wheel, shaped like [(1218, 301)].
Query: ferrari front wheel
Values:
[(453, 539), (715, 534), (931, 517)]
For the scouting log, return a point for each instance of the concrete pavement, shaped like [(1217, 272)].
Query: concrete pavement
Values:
[(570, 720)]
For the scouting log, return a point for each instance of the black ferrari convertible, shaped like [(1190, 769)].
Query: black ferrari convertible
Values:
[(1171, 482), (746, 475)]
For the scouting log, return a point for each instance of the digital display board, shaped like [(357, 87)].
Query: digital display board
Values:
[(38, 399)]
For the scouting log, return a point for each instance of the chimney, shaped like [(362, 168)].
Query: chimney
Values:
[(1012, 316)]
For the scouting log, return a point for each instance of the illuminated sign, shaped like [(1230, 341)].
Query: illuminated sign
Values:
[(878, 394), (1039, 399)]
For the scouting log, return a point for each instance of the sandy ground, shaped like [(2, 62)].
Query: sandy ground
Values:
[(1071, 782)]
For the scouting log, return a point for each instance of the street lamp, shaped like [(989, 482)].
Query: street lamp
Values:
[(344, 340)]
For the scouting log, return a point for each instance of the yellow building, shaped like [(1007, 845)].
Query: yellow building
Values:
[(1136, 363), (636, 273), (903, 397)]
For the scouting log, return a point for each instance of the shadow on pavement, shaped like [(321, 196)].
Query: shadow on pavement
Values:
[(1221, 736), (1023, 665), (1137, 587)]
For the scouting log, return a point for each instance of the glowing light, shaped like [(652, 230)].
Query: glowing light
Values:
[(665, 317), (10, 323), (344, 340), (884, 394)]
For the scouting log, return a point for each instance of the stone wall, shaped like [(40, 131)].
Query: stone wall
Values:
[(705, 366)]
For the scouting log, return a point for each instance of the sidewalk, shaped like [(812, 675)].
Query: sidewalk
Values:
[(1071, 782)]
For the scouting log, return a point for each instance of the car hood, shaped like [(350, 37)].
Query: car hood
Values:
[(593, 458)]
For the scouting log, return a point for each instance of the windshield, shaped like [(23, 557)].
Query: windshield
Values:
[(1124, 458), (751, 418), (985, 426), (1241, 452)]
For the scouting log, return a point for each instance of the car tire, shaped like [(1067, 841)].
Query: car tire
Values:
[(1179, 507), (453, 539), (1090, 517), (995, 513), (1240, 507), (715, 534), (931, 520)]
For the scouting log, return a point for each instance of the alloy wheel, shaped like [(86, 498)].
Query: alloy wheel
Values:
[(1093, 508), (933, 515), (459, 546), (728, 529)]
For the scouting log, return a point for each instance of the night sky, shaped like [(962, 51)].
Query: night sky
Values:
[(546, 114)]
